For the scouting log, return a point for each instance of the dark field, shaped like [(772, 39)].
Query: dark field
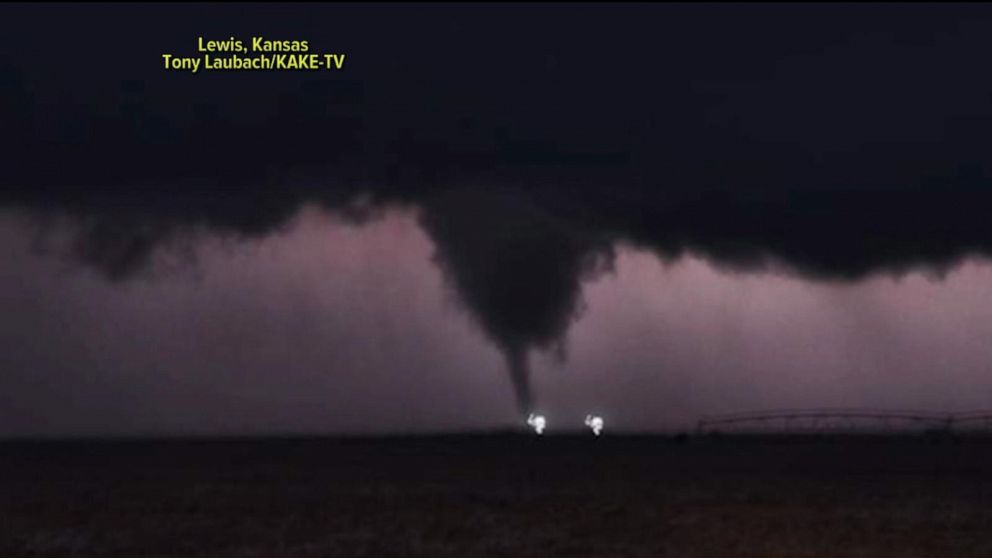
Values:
[(513, 496)]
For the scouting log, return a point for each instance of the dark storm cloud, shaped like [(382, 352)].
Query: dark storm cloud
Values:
[(836, 140)]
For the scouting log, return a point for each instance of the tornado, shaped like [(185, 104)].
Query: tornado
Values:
[(519, 368), (517, 269)]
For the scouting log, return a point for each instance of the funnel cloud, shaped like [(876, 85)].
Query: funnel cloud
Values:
[(517, 268)]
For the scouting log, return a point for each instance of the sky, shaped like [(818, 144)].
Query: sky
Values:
[(648, 212)]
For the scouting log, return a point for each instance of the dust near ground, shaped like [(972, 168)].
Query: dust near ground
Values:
[(499, 495)]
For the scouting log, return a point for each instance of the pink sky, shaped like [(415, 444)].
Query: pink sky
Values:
[(327, 327)]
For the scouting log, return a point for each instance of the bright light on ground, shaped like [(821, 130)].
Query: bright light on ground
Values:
[(596, 423), (537, 422)]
